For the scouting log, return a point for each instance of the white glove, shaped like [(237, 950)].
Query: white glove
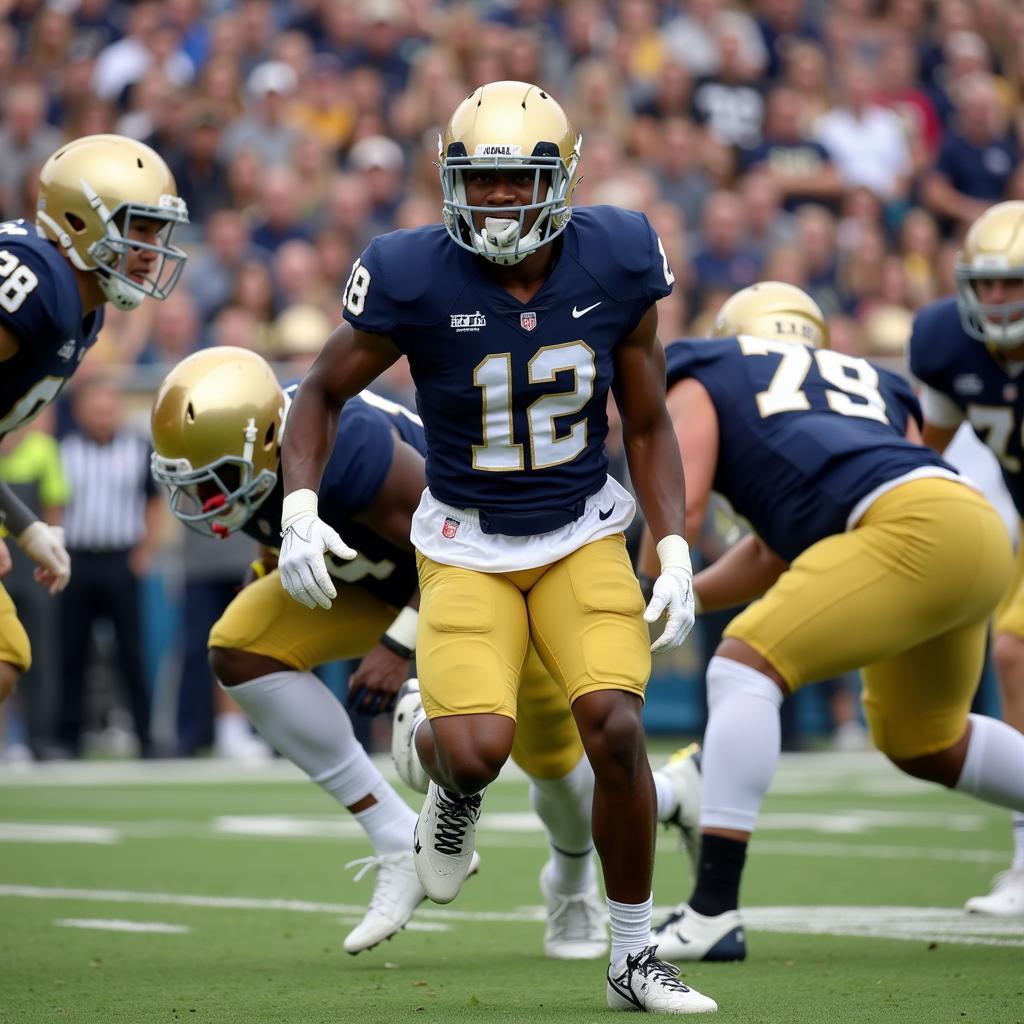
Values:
[(45, 545), (305, 538), (673, 591)]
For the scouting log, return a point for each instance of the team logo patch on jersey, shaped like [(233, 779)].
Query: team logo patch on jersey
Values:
[(527, 321), (468, 321), (968, 384), (450, 527), (67, 350)]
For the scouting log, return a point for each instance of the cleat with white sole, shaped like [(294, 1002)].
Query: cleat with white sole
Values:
[(1006, 898), (687, 935), (576, 928), (682, 772), (407, 716), (443, 841), (396, 894), (653, 986)]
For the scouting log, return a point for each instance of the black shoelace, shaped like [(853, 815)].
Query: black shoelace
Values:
[(453, 817), (647, 965)]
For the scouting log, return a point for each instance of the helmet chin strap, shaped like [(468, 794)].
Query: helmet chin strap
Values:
[(120, 293)]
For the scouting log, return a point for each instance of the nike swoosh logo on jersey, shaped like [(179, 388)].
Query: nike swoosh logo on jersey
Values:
[(577, 313), (604, 515)]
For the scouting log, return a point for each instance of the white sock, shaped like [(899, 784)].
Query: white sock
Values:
[(389, 823), (564, 806), (741, 744), (631, 930), (994, 766), (668, 803), (1018, 840), (301, 719)]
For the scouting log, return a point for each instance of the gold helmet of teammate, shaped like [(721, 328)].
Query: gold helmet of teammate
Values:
[(90, 193), (506, 125), (993, 250), (216, 425), (773, 309)]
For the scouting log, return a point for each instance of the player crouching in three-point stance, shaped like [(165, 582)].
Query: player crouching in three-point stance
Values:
[(516, 321), (106, 212), (868, 551)]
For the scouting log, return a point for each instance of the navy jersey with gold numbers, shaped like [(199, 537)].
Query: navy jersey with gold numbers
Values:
[(987, 389), (355, 472), (804, 433), (40, 305), (513, 395)]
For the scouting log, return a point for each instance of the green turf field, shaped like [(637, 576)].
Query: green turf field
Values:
[(237, 876)]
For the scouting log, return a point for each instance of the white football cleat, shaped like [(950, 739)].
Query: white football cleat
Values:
[(653, 986), (443, 841), (1006, 898), (576, 928), (682, 772), (407, 716), (687, 935), (396, 894)]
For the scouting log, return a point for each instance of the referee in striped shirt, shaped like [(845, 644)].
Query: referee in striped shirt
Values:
[(109, 526)]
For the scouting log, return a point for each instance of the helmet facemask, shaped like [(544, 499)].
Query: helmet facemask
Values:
[(220, 497), (1000, 324), (108, 255), (504, 239)]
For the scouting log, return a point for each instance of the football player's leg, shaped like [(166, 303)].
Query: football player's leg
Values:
[(262, 650), (470, 648), (549, 751), (15, 650), (1007, 895), (586, 622)]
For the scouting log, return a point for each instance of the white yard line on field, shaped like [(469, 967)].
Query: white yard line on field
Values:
[(114, 925), (914, 924)]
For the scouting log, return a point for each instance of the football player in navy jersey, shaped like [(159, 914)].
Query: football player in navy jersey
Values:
[(868, 551), (968, 353), (517, 321), (106, 212), (217, 424)]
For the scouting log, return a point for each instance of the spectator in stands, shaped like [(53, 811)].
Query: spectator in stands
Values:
[(26, 140), (676, 160), (277, 217), (199, 170), (730, 102), (976, 159), (800, 166), (866, 141), (210, 274), (265, 129), (109, 525), (721, 260)]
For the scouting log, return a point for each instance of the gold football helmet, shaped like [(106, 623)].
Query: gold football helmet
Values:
[(993, 248), (90, 191), (503, 125), (773, 309), (216, 426)]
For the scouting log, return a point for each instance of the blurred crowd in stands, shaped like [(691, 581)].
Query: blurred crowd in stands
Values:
[(840, 145)]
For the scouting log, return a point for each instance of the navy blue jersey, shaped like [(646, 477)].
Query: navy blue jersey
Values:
[(803, 433), (354, 475), (985, 388), (513, 395), (40, 305)]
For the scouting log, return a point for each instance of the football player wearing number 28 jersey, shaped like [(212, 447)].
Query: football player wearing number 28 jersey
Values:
[(517, 321), (107, 208)]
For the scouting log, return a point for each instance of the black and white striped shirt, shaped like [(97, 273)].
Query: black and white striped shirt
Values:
[(110, 485)]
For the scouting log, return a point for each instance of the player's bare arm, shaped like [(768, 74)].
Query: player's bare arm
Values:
[(349, 361), (746, 571), (647, 433), (933, 435), (8, 345), (390, 513)]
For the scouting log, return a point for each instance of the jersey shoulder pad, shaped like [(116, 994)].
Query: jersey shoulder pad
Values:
[(936, 338), (406, 277), (683, 357), (39, 299), (622, 252), (902, 391)]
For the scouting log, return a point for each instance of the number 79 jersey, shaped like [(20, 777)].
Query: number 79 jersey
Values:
[(39, 305), (804, 434), (513, 395)]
